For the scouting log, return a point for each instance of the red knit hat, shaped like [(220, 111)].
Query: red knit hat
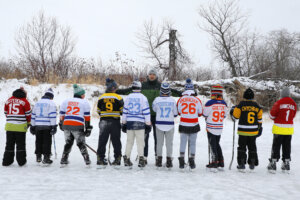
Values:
[(216, 90)]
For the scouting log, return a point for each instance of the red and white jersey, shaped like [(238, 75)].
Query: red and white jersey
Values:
[(283, 112), (17, 110), (189, 108), (75, 112), (214, 113)]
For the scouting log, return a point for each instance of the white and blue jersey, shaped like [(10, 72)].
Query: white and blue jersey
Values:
[(44, 113), (136, 111), (166, 111), (214, 112)]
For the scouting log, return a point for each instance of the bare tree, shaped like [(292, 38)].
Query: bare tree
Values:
[(225, 23), (153, 40), (45, 46)]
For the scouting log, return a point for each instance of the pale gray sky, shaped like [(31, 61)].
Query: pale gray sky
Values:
[(105, 26)]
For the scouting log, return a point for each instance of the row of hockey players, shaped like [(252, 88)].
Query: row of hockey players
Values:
[(136, 122)]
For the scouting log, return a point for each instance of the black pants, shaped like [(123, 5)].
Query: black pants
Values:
[(43, 142), (112, 128), (12, 138), (153, 119), (244, 143), (216, 150), (285, 142)]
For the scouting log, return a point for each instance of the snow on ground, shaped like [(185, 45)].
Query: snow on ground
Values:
[(78, 182)]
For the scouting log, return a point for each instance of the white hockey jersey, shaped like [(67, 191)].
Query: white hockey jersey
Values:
[(166, 111), (136, 109), (44, 113), (75, 112), (189, 108), (214, 112)]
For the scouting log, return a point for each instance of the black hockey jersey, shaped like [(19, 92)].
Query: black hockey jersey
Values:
[(110, 105), (249, 114)]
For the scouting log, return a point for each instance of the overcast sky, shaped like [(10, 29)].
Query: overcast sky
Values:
[(103, 27)]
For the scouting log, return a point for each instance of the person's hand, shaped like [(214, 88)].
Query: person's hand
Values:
[(88, 131), (32, 130), (53, 130), (124, 128)]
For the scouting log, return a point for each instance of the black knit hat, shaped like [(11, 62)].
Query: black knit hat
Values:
[(249, 94)]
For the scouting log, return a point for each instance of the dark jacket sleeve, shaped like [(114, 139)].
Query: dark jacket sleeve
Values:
[(176, 93), (125, 91)]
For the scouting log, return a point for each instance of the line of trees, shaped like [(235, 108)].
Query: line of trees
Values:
[(45, 51)]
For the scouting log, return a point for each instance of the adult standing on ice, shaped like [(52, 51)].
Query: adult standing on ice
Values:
[(150, 89), (18, 117), (166, 110), (214, 112), (189, 108), (249, 114), (283, 113), (135, 121), (44, 125), (110, 107), (75, 122)]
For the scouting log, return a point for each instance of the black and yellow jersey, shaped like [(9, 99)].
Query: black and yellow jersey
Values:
[(249, 114), (110, 105)]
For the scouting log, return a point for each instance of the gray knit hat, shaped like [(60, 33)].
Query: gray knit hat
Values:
[(285, 92), (152, 71)]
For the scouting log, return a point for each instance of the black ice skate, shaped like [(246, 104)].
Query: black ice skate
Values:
[(117, 162), (141, 162), (192, 163), (285, 167), (101, 163), (47, 160), (169, 163), (38, 158), (158, 162), (213, 166), (272, 166), (127, 162), (181, 162), (86, 158), (64, 160)]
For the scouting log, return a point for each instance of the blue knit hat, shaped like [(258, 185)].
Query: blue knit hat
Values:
[(189, 85), (165, 89), (111, 85), (78, 91)]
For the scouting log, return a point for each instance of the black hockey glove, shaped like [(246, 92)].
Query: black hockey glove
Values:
[(88, 131), (260, 130), (147, 129), (231, 113), (32, 130), (124, 128), (61, 125), (53, 130)]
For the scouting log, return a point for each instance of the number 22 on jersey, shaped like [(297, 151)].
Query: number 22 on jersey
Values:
[(73, 110)]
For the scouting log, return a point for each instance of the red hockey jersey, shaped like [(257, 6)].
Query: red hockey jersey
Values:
[(283, 113)]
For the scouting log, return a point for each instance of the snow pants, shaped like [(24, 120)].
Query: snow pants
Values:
[(244, 143), (12, 139), (153, 120), (214, 145), (160, 136), (140, 141), (191, 139), (43, 142), (79, 136), (112, 128), (283, 141)]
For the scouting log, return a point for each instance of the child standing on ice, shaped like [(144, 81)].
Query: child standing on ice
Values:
[(214, 112), (135, 120), (166, 111), (283, 113), (189, 108)]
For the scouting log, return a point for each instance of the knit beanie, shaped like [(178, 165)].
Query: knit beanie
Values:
[(189, 85), (249, 94), (111, 85), (285, 92), (78, 91), (49, 93)]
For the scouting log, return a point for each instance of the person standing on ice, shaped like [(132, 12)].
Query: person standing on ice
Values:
[(282, 113), (135, 121), (214, 112), (75, 122), (249, 114), (44, 125), (18, 117), (189, 108), (151, 89), (110, 107), (166, 110)]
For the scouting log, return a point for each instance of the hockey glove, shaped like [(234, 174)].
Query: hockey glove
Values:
[(88, 131), (61, 125), (231, 113), (53, 130), (32, 130), (124, 128), (260, 130), (147, 129)]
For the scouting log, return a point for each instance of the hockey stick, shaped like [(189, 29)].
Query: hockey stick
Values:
[(93, 150), (232, 146), (108, 156), (54, 145)]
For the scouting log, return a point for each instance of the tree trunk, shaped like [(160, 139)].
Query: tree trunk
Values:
[(172, 59)]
